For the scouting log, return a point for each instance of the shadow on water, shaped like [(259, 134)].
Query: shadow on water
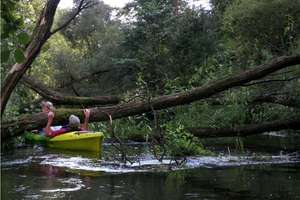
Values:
[(262, 173)]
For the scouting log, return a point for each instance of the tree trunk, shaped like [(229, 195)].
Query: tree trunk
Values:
[(59, 98), (16, 127), (39, 37), (281, 99), (284, 100), (246, 130)]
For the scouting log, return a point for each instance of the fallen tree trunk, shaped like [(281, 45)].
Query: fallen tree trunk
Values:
[(16, 127), (246, 130), (59, 98), (284, 100)]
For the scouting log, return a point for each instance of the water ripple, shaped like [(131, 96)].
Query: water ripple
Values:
[(149, 163)]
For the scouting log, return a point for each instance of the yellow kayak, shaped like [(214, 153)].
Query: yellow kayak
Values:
[(76, 140)]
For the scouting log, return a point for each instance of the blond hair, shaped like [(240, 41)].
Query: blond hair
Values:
[(48, 105)]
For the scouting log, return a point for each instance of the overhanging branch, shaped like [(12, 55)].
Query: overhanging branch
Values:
[(246, 130), (82, 5), (272, 80), (284, 100), (59, 98)]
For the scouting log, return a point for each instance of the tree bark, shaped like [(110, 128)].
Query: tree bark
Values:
[(59, 98), (246, 130), (281, 99), (39, 37), (16, 127), (284, 100)]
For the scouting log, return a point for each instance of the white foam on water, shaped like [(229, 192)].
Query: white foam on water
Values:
[(34, 196), (86, 164), (16, 162), (149, 163), (77, 183), (230, 161)]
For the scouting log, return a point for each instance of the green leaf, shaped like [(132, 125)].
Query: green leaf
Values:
[(4, 55), (19, 56), (23, 38)]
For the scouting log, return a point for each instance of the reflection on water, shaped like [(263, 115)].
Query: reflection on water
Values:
[(38, 173)]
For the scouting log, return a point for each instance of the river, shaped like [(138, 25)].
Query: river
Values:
[(267, 167)]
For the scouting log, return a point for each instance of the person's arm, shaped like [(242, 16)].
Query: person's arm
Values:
[(47, 129), (85, 124)]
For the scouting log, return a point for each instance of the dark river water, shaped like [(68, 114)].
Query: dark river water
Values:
[(268, 167)]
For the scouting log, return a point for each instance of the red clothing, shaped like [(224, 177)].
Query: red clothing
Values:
[(58, 132), (62, 130)]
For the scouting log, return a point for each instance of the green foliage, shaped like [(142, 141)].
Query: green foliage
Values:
[(131, 128), (205, 115), (165, 44), (91, 57), (17, 21), (10, 21), (271, 25), (89, 23), (5, 55), (181, 143), (19, 56), (174, 86), (23, 38), (269, 112), (219, 7)]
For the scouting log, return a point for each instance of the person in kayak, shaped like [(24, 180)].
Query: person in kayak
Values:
[(73, 125), (48, 108)]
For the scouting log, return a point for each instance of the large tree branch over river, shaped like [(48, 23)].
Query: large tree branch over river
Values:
[(28, 122), (59, 98), (285, 100), (246, 130), (288, 100)]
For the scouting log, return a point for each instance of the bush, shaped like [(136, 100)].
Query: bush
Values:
[(181, 143)]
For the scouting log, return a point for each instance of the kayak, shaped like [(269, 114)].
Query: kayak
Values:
[(76, 140)]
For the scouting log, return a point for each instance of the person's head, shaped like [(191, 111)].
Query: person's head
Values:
[(74, 122), (47, 106)]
